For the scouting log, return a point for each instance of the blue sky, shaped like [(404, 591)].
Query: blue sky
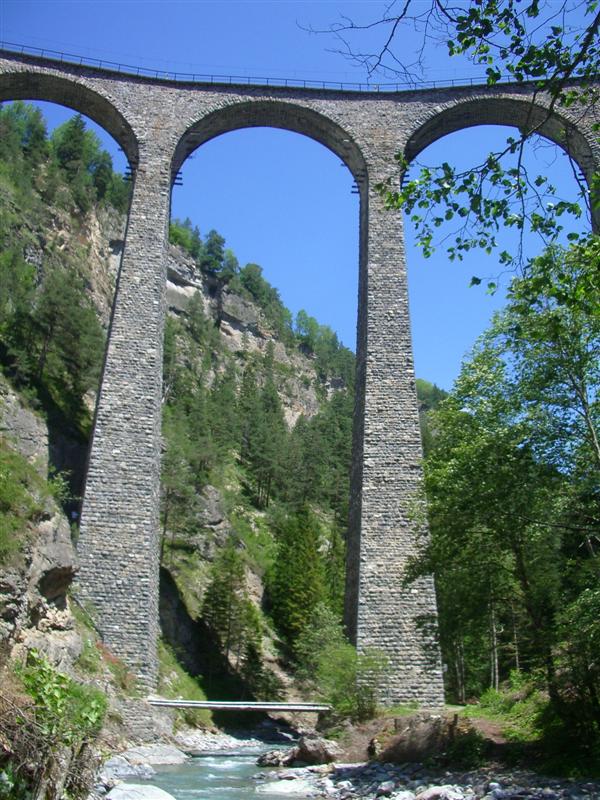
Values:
[(281, 200)]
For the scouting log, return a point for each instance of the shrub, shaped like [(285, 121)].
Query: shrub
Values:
[(467, 751), (47, 724), (349, 681)]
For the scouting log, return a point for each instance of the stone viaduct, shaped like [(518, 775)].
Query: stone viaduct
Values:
[(158, 123)]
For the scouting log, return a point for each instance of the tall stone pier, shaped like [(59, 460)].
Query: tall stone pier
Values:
[(158, 122)]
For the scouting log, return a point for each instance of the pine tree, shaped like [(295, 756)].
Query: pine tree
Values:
[(224, 420), (297, 583), (228, 610)]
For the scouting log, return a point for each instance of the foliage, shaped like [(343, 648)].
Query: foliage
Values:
[(48, 723), (51, 341), (536, 734), (88, 169), (22, 491), (467, 750), (554, 49), (187, 236), (237, 623), (511, 481), (348, 681), (89, 659), (51, 337), (67, 711), (223, 424), (429, 397), (332, 359), (264, 431), (227, 608), (222, 412), (297, 582), (71, 165), (277, 316)]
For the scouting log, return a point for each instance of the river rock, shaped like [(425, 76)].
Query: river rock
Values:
[(441, 793), (287, 787), (194, 741), (315, 750), (276, 758), (117, 768), (385, 789), (155, 754), (138, 791)]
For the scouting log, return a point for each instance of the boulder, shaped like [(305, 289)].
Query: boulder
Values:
[(298, 787), (385, 789), (117, 768), (441, 793), (155, 754), (138, 791), (276, 758), (315, 750), (241, 314), (310, 750), (53, 565)]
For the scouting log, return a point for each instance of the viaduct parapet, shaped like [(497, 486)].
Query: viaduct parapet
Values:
[(158, 124)]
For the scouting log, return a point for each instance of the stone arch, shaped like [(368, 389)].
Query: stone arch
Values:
[(273, 114), (26, 85), (522, 112)]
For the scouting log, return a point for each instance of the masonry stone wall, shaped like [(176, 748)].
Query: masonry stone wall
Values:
[(158, 124)]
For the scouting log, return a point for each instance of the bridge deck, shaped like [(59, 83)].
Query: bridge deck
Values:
[(241, 705)]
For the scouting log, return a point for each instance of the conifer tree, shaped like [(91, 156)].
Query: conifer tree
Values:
[(297, 584), (227, 608), (224, 420)]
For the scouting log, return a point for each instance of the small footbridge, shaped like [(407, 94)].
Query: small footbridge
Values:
[(240, 705)]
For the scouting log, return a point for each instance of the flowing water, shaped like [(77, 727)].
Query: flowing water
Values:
[(220, 776)]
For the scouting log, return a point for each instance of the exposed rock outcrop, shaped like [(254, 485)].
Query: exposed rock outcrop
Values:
[(243, 330), (23, 427), (416, 737)]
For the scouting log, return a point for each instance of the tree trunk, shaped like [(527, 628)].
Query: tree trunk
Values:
[(494, 678), (459, 666)]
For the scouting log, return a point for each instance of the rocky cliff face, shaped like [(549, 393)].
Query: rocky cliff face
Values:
[(34, 582), (243, 330)]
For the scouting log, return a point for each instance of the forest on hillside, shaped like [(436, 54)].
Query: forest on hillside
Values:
[(511, 467)]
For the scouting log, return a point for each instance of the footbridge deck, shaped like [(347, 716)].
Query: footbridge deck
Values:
[(239, 705)]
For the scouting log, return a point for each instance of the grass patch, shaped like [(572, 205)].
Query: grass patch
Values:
[(254, 531), (538, 737), (190, 573), (518, 710), (123, 679), (89, 659), (403, 710), (174, 682)]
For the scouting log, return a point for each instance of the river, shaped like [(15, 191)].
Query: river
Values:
[(215, 776)]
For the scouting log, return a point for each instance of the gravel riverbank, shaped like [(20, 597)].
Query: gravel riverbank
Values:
[(415, 782)]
